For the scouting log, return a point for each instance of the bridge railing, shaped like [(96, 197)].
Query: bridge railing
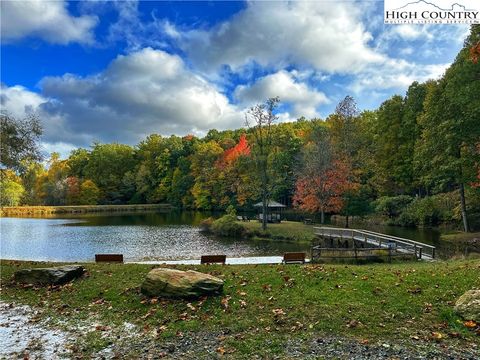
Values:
[(406, 245)]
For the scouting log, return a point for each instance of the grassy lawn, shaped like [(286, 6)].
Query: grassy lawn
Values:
[(286, 230), (264, 305), (460, 236)]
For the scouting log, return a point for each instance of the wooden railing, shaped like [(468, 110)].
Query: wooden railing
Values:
[(421, 250)]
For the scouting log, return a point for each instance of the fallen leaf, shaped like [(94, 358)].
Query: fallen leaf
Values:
[(102, 328), (278, 312), (437, 336), (470, 324), (225, 301)]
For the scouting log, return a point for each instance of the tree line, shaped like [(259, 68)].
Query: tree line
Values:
[(418, 146)]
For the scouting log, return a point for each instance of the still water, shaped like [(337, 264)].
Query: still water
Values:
[(145, 236), (139, 237)]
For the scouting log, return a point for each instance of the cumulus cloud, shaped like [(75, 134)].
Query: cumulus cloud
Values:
[(395, 74), (277, 34), (48, 20), (149, 91), (304, 100)]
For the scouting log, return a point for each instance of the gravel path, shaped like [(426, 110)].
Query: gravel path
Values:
[(24, 335)]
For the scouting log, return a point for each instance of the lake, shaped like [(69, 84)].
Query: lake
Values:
[(139, 237), (142, 237)]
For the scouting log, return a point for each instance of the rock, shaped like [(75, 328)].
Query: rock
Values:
[(49, 276), (468, 305), (180, 284)]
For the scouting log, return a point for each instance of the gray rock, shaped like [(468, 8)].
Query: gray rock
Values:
[(180, 284), (468, 305), (49, 276)]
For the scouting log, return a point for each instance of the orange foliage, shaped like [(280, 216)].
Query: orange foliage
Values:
[(475, 53), (323, 192), (230, 155), (189, 137)]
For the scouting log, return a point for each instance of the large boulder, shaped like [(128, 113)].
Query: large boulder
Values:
[(49, 276), (468, 305), (172, 283)]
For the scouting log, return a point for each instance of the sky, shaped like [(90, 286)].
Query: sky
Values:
[(117, 71)]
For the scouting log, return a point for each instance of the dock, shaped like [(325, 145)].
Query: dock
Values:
[(420, 250)]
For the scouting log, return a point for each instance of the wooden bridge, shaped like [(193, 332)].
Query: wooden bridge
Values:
[(374, 239)]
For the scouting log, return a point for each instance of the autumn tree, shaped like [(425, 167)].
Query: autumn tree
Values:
[(260, 120), (89, 193), (322, 179)]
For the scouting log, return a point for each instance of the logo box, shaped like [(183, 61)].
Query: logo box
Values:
[(432, 11)]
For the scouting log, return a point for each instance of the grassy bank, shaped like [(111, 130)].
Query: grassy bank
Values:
[(79, 209), (263, 307), (286, 230)]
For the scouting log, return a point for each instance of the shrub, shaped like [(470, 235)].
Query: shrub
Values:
[(206, 225), (392, 206), (424, 212), (227, 225)]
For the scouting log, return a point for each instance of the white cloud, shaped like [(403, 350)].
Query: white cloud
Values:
[(146, 92), (396, 75), (326, 35), (48, 20), (304, 100), (19, 101)]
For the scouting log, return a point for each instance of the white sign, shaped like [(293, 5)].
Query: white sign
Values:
[(432, 12)]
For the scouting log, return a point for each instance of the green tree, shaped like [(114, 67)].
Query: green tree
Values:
[(19, 141), (260, 120), (447, 150), (11, 190), (107, 167), (89, 193), (207, 187)]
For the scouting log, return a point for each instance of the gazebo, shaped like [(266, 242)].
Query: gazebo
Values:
[(274, 213)]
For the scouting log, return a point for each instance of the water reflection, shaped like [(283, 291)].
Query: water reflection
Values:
[(146, 236), (151, 236)]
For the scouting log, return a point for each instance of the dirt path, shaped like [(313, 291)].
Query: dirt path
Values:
[(24, 335)]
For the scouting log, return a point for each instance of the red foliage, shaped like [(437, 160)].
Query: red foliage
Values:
[(323, 191), (475, 53), (230, 155), (73, 190)]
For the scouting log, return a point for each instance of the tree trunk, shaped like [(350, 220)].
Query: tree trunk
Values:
[(463, 207), (322, 217), (264, 213)]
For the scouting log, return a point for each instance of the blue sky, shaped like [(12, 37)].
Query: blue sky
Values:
[(118, 71)]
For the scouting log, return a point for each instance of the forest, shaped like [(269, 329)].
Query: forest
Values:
[(414, 160)]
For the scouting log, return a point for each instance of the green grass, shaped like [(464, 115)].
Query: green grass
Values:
[(460, 236), (286, 230), (375, 302)]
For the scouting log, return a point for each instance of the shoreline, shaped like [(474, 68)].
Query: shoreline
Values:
[(77, 209)]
